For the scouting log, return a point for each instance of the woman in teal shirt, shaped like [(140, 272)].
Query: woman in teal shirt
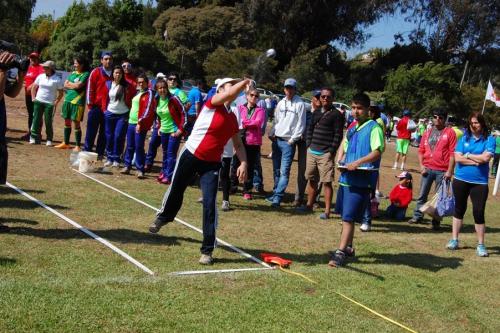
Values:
[(472, 156)]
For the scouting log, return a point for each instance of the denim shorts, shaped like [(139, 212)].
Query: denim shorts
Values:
[(354, 202)]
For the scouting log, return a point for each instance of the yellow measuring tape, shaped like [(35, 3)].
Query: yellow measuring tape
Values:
[(351, 300)]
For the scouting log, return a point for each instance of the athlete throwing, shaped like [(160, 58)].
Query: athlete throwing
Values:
[(202, 154)]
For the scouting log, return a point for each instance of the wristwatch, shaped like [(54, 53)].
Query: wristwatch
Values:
[(467, 155)]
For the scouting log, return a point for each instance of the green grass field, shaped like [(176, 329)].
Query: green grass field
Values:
[(54, 278)]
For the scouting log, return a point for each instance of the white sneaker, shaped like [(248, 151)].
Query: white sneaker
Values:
[(200, 200), (108, 163), (379, 195), (395, 166), (48, 143), (32, 140), (402, 167), (206, 259), (115, 165), (365, 227), (225, 206)]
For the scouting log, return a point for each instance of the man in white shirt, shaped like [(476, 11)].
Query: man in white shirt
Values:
[(288, 127)]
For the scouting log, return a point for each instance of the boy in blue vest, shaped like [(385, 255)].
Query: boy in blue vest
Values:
[(363, 146)]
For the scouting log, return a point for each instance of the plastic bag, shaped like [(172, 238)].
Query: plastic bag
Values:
[(446, 199), (430, 206), (411, 126)]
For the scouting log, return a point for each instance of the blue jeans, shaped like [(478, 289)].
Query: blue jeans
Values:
[(135, 144), (425, 188), (258, 177), (169, 146), (397, 213), (95, 127), (116, 130), (282, 162), (154, 143)]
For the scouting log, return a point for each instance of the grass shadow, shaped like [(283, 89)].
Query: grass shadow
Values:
[(423, 261), (17, 220), (8, 190), (22, 204), (116, 235), (7, 261)]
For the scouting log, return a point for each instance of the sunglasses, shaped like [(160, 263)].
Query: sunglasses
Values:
[(438, 117), (172, 79), (126, 65), (325, 96), (253, 95)]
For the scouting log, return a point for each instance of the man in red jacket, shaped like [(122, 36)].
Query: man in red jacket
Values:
[(437, 160), (96, 101), (403, 139)]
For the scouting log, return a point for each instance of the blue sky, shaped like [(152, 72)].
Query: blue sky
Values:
[(382, 32)]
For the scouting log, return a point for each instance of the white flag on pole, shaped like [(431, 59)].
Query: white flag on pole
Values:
[(491, 96)]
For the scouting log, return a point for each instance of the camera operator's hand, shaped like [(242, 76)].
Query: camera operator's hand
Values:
[(5, 59), (23, 66)]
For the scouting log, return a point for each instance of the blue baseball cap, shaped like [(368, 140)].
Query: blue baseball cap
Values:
[(106, 53), (316, 93), (406, 112), (290, 82)]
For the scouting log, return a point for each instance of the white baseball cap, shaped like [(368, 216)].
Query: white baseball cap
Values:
[(160, 75), (221, 82)]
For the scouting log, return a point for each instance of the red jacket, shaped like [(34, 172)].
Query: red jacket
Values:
[(402, 128), (97, 92), (177, 112), (130, 92), (401, 195), (147, 110), (439, 158), (31, 75)]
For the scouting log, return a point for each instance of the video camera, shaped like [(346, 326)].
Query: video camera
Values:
[(19, 62)]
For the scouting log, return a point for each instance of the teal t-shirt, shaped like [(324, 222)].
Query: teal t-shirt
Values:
[(180, 94), (497, 147)]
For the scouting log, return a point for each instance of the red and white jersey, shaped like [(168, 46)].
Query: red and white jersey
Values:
[(214, 126)]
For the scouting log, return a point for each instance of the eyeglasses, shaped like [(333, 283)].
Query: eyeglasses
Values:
[(126, 66), (438, 117), (172, 79), (253, 95), (325, 96)]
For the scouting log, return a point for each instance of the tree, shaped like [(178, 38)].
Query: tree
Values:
[(286, 25), (127, 14), (194, 33), (14, 22), (238, 62), (454, 28), (87, 38), (142, 50), (424, 87), (41, 30)]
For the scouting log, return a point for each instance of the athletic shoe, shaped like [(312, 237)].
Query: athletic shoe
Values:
[(303, 209), (350, 251), (247, 196), (316, 205), (275, 205), (481, 250), (270, 199), (260, 190), (100, 157), (25, 137), (365, 227), (225, 206), (48, 143), (32, 140), (200, 200), (125, 170), (436, 225), (115, 164), (337, 259), (108, 164), (206, 259), (148, 167), (402, 167), (379, 195), (156, 226), (140, 174), (452, 244), (4, 228), (413, 220), (77, 149), (63, 146), (395, 166), (324, 216), (164, 181)]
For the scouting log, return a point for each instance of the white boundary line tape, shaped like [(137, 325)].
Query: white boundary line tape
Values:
[(232, 247), (82, 229), (220, 271)]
